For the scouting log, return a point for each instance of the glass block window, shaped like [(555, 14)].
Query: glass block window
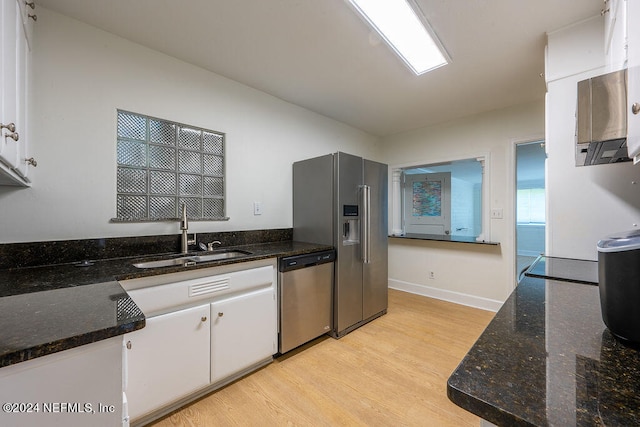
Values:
[(162, 165)]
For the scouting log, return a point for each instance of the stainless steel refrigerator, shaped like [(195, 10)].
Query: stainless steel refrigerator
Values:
[(341, 200)]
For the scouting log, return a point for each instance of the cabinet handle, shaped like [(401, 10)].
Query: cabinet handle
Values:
[(31, 161), (203, 318), (635, 108), (220, 314), (32, 4), (15, 136), (34, 17), (11, 127), (128, 345)]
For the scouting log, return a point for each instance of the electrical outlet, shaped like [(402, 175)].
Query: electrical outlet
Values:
[(432, 275), (257, 208), (496, 213)]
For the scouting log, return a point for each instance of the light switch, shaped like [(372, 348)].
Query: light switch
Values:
[(496, 213), (257, 208)]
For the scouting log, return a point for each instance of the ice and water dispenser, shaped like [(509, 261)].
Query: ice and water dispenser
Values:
[(350, 225)]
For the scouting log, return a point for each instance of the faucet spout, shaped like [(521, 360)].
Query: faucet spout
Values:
[(184, 226), (210, 245)]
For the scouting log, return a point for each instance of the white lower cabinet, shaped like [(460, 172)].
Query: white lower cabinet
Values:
[(204, 329), (243, 332), (77, 387), (167, 359)]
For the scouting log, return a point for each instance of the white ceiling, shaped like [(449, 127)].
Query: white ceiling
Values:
[(318, 54)]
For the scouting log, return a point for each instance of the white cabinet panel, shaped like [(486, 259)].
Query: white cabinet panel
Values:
[(80, 386), (616, 34), (28, 16), (14, 68), (167, 359), (11, 23), (633, 76), (22, 72), (243, 332), (154, 300), (575, 49)]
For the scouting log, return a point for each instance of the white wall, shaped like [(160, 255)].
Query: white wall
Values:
[(82, 75), (584, 204), (479, 275)]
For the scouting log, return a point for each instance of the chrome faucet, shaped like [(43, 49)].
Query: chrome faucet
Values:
[(209, 246), (184, 226), (215, 242)]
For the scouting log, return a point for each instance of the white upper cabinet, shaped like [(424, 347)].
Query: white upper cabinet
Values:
[(16, 19), (28, 16), (575, 49), (11, 22), (633, 79), (615, 33)]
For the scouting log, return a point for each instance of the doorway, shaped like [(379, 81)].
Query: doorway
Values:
[(530, 203), (428, 203)]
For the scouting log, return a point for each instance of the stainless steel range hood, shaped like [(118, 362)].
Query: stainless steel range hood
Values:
[(601, 125)]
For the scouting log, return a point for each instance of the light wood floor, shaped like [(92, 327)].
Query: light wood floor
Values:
[(390, 372)]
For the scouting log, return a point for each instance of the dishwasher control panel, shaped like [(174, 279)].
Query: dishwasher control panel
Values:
[(306, 260)]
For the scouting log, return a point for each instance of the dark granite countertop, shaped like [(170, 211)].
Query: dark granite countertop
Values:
[(570, 270), (15, 281), (444, 238), (39, 323), (547, 359), (50, 308)]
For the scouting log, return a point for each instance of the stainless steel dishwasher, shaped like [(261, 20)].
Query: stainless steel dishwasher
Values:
[(306, 287)]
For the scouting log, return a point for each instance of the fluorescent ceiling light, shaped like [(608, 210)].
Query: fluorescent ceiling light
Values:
[(408, 35)]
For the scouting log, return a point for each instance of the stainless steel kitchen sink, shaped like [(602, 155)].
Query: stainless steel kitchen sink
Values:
[(219, 255), (188, 260)]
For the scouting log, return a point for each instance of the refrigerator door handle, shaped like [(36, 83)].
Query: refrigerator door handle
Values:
[(366, 224)]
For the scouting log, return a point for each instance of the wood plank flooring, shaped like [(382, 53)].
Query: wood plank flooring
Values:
[(390, 372)]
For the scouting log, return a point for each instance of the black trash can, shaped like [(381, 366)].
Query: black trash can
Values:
[(619, 282)]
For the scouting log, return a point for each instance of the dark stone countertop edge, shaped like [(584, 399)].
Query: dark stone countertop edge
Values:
[(488, 411), (439, 238), (482, 409), (63, 344), (519, 336)]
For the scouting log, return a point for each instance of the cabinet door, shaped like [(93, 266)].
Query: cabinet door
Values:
[(616, 34), (14, 75), (22, 72), (243, 332), (28, 16), (167, 359), (633, 80), (10, 30)]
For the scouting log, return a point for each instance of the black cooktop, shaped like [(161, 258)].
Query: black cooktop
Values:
[(566, 269)]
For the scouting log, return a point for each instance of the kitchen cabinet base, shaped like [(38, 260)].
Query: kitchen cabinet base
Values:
[(165, 410)]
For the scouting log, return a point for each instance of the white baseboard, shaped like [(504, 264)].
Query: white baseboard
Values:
[(442, 294)]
